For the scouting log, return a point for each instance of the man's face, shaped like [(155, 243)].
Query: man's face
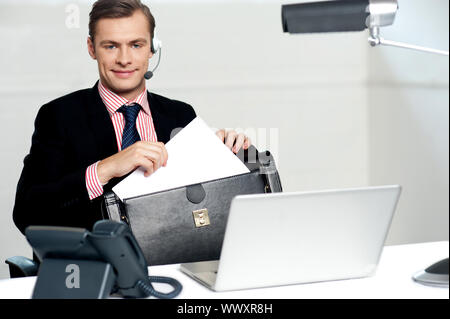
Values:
[(122, 50)]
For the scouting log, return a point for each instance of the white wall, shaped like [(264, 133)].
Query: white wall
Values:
[(308, 94), (408, 126)]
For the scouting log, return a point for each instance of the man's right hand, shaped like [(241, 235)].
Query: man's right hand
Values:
[(148, 155)]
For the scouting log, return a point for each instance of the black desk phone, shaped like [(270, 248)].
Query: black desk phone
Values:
[(76, 263)]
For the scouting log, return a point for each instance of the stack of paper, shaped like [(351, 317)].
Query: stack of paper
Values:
[(195, 155)]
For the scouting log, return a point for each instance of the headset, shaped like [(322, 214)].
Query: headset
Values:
[(155, 48)]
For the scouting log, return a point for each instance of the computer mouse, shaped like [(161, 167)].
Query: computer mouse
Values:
[(436, 275), (440, 268)]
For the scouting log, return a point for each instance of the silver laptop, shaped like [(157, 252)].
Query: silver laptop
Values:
[(302, 237)]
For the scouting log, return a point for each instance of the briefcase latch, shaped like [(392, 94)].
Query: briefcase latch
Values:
[(201, 217)]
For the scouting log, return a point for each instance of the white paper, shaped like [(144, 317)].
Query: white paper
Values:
[(195, 155)]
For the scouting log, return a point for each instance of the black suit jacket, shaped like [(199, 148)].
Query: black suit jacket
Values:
[(71, 133)]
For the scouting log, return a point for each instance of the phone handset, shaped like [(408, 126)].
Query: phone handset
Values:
[(117, 245)]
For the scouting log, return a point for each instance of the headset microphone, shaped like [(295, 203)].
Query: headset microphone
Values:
[(155, 47), (148, 75)]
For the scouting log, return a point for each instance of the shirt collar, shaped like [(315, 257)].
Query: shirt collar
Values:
[(114, 101)]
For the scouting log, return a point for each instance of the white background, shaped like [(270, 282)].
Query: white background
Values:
[(334, 111)]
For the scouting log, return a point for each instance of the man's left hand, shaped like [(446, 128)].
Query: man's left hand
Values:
[(233, 140)]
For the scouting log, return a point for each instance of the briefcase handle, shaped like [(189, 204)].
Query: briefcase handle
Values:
[(112, 208), (265, 163)]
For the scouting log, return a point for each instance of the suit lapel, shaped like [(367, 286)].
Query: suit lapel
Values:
[(163, 123), (101, 125)]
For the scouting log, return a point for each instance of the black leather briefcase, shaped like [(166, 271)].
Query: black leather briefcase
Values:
[(187, 224)]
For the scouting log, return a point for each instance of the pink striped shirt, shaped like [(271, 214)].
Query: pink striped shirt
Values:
[(144, 126)]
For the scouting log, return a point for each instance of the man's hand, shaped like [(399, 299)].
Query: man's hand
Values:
[(149, 155), (233, 140)]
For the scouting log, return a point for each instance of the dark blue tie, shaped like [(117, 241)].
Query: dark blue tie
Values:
[(130, 133)]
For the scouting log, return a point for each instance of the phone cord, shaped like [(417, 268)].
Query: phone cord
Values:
[(148, 289)]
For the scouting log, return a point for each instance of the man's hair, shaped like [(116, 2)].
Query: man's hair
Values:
[(118, 9)]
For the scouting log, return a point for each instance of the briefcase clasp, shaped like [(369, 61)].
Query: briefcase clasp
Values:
[(201, 217)]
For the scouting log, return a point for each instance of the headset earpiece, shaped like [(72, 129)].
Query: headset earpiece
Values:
[(156, 45)]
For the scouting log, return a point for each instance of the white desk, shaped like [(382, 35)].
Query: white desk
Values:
[(392, 280)]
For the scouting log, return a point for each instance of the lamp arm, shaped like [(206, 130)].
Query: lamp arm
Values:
[(375, 39)]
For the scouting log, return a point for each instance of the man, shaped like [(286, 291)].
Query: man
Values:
[(84, 143)]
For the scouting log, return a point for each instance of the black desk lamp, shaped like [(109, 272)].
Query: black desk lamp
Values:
[(357, 15)]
